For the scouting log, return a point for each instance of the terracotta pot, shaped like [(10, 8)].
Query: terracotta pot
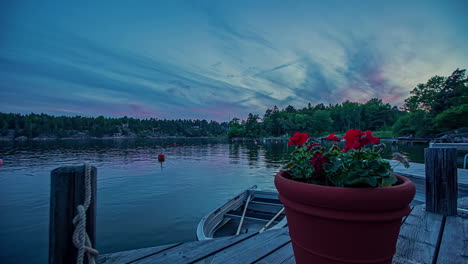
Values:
[(344, 225)]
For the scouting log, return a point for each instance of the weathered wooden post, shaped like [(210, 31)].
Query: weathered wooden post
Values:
[(67, 191), (441, 180)]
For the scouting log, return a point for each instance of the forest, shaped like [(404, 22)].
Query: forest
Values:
[(46, 126), (439, 105)]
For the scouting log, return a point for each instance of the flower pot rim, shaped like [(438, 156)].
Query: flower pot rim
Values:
[(404, 181), (347, 198)]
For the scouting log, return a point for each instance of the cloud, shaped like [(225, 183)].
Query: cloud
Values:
[(215, 60), (110, 77)]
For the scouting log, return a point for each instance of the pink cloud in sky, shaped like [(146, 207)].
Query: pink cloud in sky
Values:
[(142, 111), (376, 78), (107, 110)]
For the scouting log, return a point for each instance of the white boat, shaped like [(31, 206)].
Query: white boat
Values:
[(250, 211)]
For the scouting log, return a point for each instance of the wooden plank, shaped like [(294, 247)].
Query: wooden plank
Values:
[(462, 209), (420, 185), (283, 255), (463, 203), (67, 191), (194, 251), (252, 249), (418, 237), (441, 180), (415, 169), (454, 243), (416, 173), (125, 257), (460, 146), (418, 170)]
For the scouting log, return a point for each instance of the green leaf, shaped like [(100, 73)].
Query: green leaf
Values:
[(389, 181), (289, 165), (370, 181)]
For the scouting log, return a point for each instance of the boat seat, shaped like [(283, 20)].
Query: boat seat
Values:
[(248, 218), (252, 216), (265, 205), (266, 201)]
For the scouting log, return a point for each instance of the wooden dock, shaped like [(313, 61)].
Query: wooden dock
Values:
[(417, 173), (417, 170), (436, 231), (424, 238)]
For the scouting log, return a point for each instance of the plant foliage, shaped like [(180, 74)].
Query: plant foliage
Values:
[(354, 165)]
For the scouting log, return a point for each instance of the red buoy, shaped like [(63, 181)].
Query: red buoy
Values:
[(161, 157)]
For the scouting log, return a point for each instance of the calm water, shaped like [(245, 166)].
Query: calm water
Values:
[(139, 204)]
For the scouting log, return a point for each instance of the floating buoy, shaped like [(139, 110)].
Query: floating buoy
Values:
[(174, 144), (161, 157), (1, 163)]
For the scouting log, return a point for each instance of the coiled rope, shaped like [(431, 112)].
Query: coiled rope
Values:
[(80, 237)]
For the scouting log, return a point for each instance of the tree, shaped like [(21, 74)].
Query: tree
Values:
[(235, 128), (290, 109), (452, 118), (351, 115), (416, 124), (439, 93), (252, 127), (436, 106), (320, 107), (424, 96), (272, 123), (322, 122), (376, 115), (454, 93)]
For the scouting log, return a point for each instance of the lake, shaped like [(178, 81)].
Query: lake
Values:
[(140, 204)]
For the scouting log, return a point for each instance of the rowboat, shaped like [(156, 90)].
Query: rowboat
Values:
[(250, 211)]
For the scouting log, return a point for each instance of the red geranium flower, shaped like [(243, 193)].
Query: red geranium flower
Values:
[(333, 137), (351, 145), (373, 140), (336, 165), (353, 135), (355, 139), (298, 139), (317, 161)]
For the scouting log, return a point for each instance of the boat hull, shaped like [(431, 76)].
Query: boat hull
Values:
[(262, 208)]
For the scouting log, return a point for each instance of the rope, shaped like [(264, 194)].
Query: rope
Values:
[(80, 237)]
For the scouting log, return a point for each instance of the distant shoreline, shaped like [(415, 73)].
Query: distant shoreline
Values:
[(23, 139)]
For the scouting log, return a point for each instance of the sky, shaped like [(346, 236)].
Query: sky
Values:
[(219, 59)]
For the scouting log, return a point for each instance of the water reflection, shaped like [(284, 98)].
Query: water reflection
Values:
[(129, 151), (234, 153), (275, 154)]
